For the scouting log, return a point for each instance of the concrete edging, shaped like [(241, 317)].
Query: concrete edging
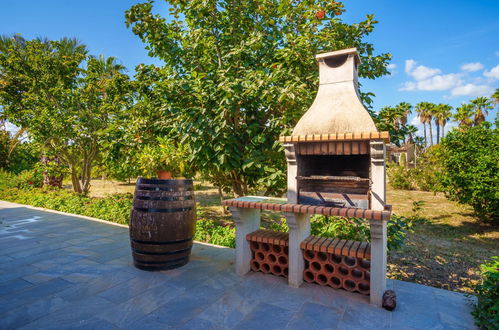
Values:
[(93, 219)]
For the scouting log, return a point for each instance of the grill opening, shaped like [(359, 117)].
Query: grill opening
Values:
[(333, 165), (334, 180)]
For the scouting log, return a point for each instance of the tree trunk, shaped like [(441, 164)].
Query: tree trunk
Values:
[(221, 196), (238, 189), (75, 181), (438, 133), (431, 134), (424, 133), (86, 174), (443, 133), (48, 178)]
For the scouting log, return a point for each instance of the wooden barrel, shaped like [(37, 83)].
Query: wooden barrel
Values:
[(162, 223)]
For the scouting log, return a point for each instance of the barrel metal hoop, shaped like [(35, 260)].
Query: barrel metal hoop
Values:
[(180, 209), (174, 198), (160, 262), (157, 188), (161, 253), (165, 182), (161, 243)]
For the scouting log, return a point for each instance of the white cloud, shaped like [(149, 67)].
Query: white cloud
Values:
[(419, 72), (497, 53), (416, 122), (493, 73), (472, 90), (391, 66), (435, 83), (409, 64), (472, 67)]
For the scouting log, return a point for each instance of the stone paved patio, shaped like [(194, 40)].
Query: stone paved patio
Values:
[(60, 271)]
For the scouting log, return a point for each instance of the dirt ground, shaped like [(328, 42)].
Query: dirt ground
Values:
[(445, 250)]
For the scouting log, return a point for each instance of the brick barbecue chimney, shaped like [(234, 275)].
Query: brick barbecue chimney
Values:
[(336, 156)]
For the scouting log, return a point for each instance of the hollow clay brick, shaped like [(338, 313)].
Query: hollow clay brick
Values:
[(348, 271)]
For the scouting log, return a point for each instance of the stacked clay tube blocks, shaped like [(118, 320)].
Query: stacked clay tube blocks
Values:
[(337, 263), (269, 252)]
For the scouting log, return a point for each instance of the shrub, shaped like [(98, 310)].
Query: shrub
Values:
[(486, 311), (114, 208), (469, 158), (428, 172), (28, 179), (7, 180), (25, 156), (399, 177), (354, 228), (214, 233)]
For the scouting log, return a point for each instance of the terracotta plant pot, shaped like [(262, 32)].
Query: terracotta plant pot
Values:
[(164, 175)]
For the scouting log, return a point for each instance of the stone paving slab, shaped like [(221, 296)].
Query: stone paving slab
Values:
[(66, 271)]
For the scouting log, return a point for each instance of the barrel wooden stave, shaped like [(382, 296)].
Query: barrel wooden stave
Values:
[(162, 224)]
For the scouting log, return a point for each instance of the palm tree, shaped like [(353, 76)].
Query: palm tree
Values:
[(411, 131), (422, 112), (404, 109), (402, 112), (442, 115), (481, 106), (495, 97), (430, 108), (463, 115)]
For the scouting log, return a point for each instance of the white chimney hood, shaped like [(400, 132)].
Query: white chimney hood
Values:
[(337, 108)]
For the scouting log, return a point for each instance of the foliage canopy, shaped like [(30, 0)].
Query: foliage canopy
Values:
[(470, 175), (65, 99), (238, 74)]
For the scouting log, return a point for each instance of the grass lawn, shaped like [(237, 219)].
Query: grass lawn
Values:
[(445, 250)]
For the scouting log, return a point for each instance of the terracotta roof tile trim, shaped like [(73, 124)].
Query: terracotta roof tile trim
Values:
[(311, 209)]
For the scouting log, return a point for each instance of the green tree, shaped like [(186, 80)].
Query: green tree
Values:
[(463, 115), (411, 132), (388, 119), (238, 74), (470, 168), (422, 111), (64, 98), (429, 117), (495, 97), (481, 107), (404, 109), (4, 148), (443, 112)]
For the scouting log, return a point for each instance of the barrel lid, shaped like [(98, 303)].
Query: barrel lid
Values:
[(170, 182)]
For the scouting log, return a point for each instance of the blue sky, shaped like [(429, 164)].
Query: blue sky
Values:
[(443, 51)]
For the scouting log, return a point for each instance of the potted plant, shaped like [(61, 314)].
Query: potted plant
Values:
[(165, 159)]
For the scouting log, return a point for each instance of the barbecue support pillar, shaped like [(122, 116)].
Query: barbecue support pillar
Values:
[(289, 150), (247, 221), (299, 230), (378, 175), (378, 261)]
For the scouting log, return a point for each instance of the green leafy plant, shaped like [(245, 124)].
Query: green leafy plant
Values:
[(165, 155), (426, 176), (399, 177), (65, 99), (115, 208), (7, 180), (214, 233), (470, 175), (29, 179), (237, 75), (417, 207), (486, 310), (354, 229)]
